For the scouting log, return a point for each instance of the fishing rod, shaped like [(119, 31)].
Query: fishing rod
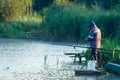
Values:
[(96, 48)]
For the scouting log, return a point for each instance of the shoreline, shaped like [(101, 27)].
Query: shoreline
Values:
[(64, 43)]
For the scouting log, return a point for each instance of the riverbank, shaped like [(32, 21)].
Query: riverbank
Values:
[(64, 43)]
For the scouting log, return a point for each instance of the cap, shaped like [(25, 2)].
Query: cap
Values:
[(91, 24)]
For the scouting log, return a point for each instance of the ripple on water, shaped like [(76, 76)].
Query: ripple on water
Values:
[(26, 61)]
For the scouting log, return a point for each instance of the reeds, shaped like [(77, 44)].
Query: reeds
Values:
[(45, 59), (70, 22)]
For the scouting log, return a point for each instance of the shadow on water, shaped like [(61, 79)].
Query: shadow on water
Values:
[(36, 60)]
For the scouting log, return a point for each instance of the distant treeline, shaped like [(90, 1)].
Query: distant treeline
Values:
[(59, 20), (106, 4), (12, 8)]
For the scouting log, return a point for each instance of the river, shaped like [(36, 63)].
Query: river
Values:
[(22, 59)]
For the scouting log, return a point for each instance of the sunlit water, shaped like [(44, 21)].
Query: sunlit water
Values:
[(37, 60)]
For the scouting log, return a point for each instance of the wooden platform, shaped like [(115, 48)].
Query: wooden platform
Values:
[(75, 55), (87, 72)]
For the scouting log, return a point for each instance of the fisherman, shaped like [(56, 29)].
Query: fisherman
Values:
[(94, 38)]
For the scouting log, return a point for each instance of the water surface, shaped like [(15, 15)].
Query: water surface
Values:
[(29, 59)]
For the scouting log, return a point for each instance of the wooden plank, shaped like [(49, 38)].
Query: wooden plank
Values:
[(34, 33), (76, 55), (79, 55), (72, 53), (109, 50), (87, 72)]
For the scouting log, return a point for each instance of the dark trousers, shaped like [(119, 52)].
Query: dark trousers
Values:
[(94, 53)]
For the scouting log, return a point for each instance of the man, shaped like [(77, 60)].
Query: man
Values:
[(94, 38)]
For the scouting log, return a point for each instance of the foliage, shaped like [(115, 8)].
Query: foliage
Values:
[(59, 18), (39, 4), (112, 45), (34, 18), (106, 4), (113, 56), (13, 8), (17, 28), (87, 54), (63, 23)]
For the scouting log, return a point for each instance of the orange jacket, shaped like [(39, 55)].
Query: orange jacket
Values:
[(94, 37)]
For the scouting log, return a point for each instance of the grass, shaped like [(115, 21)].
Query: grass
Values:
[(112, 45), (108, 44), (45, 59), (34, 18), (16, 28)]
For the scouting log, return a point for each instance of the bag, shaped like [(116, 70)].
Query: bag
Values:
[(91, 65)]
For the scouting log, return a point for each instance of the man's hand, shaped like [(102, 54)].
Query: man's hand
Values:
[(89, 38)]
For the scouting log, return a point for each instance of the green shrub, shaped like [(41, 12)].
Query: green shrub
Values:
[(112, 45), (87, 54), (17, 29), (108, 44), (10, 9), (39, 4), (66, 22)]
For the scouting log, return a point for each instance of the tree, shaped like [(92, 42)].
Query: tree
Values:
[(39, 4), (107, 4), (10, 9)]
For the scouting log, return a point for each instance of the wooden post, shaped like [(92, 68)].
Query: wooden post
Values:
[(79, 56)]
